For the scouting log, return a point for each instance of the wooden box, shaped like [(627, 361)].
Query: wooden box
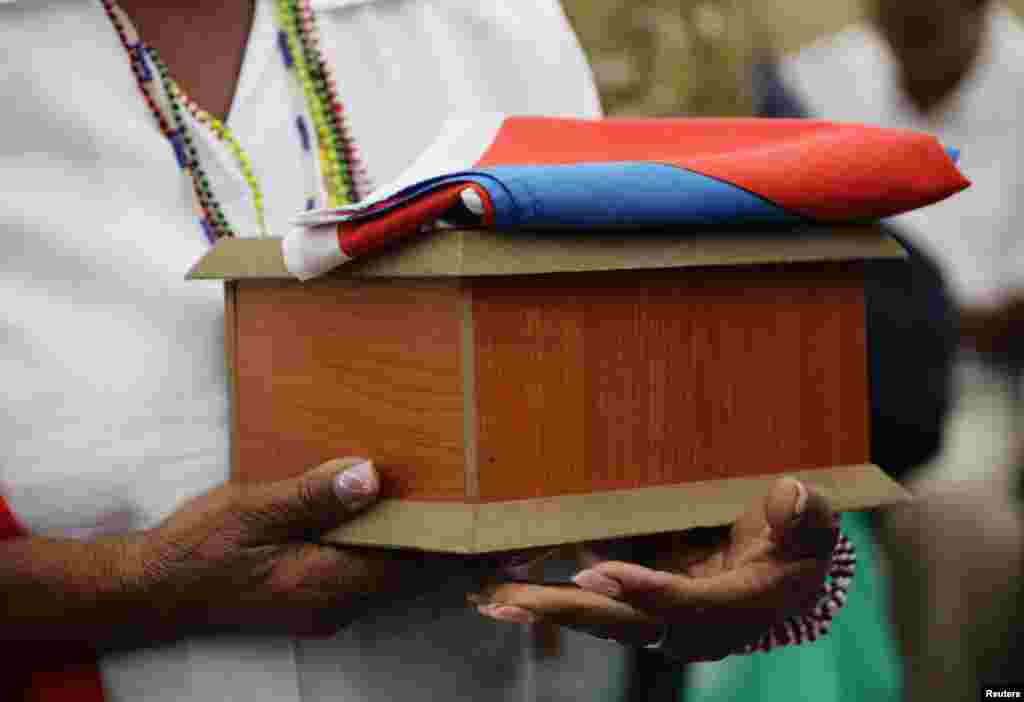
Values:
[(526, 390)]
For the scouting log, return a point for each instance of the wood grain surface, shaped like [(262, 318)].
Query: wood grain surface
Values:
[(576, 382), (622, 380), (329, 369)]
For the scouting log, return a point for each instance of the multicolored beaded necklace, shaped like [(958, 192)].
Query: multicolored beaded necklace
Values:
[(315, 91)]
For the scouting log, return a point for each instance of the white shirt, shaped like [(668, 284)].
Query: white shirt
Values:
[(113, 370), (975, 236)]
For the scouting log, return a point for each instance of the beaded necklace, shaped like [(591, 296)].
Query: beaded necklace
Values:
[(314, 90)]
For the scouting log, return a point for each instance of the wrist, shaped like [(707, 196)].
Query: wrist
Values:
[(64, 590), (103, 589), (126, 597), (108, 574), (145, 583)]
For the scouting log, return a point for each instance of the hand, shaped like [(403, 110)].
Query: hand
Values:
[(715, 589), (247, 557)]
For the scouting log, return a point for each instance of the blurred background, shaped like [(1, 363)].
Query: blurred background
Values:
[(660, 56), (935, 611)]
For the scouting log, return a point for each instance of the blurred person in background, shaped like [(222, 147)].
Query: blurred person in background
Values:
[(951, 68)]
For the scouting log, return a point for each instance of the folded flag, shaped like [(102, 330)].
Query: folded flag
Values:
[(557, 173)]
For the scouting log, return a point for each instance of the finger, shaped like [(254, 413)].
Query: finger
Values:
[(766, 585), (698, 552), (571, 607), (802, 521), (748, 530), (314, 502)]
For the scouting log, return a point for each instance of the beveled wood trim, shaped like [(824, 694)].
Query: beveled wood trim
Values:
[(452, 253), (614, 514), (456, 527), (445, 527)]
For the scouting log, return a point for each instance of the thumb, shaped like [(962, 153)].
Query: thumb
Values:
[(801, 519), (316, 501)]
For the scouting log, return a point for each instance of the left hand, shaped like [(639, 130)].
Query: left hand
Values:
[(712, 590)]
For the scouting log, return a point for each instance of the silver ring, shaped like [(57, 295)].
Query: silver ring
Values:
[(661, 643)]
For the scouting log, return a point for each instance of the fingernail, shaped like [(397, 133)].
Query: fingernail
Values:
[(507, 613), (599, 583), (356, 482)]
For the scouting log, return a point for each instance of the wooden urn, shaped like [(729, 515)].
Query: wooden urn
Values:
[(524, 390)]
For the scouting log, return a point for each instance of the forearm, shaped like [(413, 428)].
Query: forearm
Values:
[(234, 559), (57, 590)]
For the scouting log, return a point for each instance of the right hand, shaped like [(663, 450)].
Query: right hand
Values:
[(246, 557)]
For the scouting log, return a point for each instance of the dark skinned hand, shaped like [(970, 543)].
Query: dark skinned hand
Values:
[(715, 589)]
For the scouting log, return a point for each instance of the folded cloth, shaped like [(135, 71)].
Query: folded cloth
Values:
[(555, 173)]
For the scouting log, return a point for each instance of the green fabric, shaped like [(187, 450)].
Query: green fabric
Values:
[(856, 661)]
